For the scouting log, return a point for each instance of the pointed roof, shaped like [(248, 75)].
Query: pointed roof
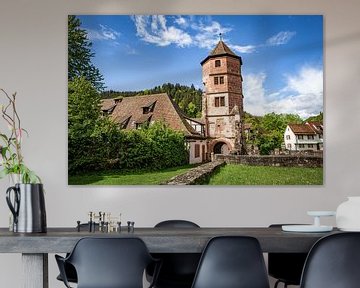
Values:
[(221, 49)]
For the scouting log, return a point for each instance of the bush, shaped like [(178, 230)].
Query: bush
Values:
[(154, 147)]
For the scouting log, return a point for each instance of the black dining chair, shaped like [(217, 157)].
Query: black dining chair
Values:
[(286, 267), (232, 262), (178, 269), (70, 271), (333, 262), (108, 263)]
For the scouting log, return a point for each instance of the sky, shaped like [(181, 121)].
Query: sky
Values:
[(282, 55)]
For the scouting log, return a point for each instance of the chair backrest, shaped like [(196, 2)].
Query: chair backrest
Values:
[(110, 262), (232, 262), (333, 262), (178, 269), (176, 224)]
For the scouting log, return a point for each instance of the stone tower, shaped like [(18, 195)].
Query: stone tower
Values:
[(223, 100)]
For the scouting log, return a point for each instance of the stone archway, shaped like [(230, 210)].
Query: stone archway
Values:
[(220, 147)]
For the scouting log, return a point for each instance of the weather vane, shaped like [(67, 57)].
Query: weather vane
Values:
[(220, 36)]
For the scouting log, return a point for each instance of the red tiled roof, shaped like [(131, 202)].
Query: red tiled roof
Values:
[(316, 126), (107, 104), (164, 110), (310, 128), (221, 49), (301, 129)]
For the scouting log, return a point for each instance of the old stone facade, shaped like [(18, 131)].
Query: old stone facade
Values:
[(219, 131), (222, 107)]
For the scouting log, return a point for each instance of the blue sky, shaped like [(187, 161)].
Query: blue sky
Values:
[(282, 55)]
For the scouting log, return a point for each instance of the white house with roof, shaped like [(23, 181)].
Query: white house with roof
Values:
[(300, 137)]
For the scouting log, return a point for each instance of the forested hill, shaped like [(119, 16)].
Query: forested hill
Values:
[(188, 98)]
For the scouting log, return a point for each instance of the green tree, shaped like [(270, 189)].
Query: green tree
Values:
[(317, 118), (268, 130), (83, 107), (80, 55)]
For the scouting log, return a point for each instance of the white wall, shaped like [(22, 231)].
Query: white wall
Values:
[(33, 62)]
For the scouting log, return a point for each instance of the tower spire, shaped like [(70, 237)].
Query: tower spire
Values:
[(220, 36)]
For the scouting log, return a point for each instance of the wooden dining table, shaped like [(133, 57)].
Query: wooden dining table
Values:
[(35, 247)]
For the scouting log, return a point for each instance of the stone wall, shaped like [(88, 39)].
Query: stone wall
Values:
[(273, 160), (198, 175)]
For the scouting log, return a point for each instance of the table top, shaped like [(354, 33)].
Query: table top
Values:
[(158, 240)]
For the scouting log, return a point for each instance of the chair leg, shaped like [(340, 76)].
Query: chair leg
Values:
[(279, 281)]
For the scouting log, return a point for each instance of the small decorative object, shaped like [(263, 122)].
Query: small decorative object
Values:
[(348, 214), (26, 203), (316, 227)]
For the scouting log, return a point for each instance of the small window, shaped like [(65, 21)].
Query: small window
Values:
[(301, 137), (217, 63), (311, 137), (219, 80), (310, 146), (289, 146), (124, 123), (287, 137), (301, 145), (149, 108), (197, 150), (220, 101)]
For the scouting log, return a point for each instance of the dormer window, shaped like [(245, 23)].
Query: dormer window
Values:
[(149, 108), (217, 63), (143, 121), (124, 123)]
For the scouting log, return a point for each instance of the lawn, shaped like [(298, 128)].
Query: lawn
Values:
[(127, 178), (265, 175)]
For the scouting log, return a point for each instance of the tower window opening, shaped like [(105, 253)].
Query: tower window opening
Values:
[(217, 63), (218, 80), (219, 101)]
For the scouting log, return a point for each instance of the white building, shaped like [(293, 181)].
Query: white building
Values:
[(300, 137)]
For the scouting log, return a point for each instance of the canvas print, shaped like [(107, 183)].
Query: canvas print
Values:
[(195, 100)]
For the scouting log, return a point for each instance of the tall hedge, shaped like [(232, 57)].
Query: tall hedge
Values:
[(96, 143), (153, 147)]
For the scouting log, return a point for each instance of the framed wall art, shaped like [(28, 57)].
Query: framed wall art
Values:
[(195, 99)]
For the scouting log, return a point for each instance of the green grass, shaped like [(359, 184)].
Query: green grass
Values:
[(265, 175), (127, 178)]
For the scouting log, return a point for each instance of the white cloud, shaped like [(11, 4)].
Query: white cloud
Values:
[(254, 94), (104, 33), (182, 22), (207, 35), (280, 38), (153, 29), (186, 31), (243, 49), (156, 30), (302, 94)]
